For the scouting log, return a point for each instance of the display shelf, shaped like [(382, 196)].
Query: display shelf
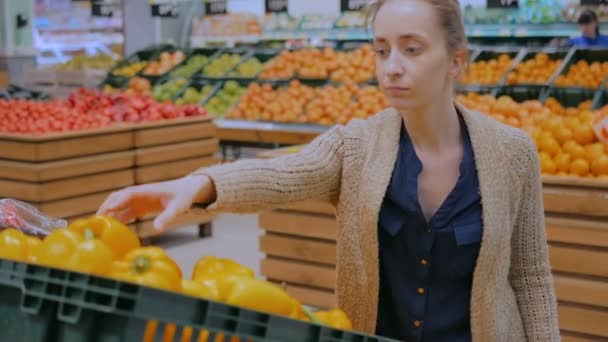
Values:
[(476, 31), (299, 244), (267, 132)]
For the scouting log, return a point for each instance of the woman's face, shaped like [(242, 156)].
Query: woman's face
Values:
[(413, 65), (590, 29)]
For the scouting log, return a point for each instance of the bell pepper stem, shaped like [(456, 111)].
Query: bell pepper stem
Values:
[(141, 264), (88, 234), (310, 315)]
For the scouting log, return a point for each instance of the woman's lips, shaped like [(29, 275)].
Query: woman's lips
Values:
[(396, 91)]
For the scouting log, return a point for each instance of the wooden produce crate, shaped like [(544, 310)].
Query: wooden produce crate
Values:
[(169, 150), (577, 230), (68, 174), (43, 79), (299, 244)]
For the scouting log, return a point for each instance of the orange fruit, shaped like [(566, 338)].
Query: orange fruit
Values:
[(563, 134), (580, 167), (550, 146), (599, 166), (583, 134), (594, 151), (575, 150), (562, 161), (548, 166)]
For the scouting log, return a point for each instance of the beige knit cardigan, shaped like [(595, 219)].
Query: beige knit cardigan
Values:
[(350, 166)]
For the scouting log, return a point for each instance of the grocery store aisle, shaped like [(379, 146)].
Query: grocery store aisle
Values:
[(234, 236)]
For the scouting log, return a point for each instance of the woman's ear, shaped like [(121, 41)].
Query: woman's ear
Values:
[(459, 62)]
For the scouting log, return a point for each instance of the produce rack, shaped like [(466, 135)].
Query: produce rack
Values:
[(68, 175), (59, 83), (299, 243), (52, 305)]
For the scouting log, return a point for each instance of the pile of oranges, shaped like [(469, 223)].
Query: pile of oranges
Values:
[(583, 74), (536, 70), (565, 139), (356, 65), (299, 103), (487, 72)]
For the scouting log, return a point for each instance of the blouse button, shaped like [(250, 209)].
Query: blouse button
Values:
[(417, 323), (423, 262), (420, 290)]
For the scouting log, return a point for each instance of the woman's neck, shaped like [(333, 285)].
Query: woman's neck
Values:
[(433, 128)]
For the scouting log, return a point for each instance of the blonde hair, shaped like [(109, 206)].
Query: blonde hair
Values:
[(448, 13)]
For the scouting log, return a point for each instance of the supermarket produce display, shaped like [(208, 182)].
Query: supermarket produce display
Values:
[(99, 265)]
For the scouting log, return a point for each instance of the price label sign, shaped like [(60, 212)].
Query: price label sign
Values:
[(167, 10), (215, 7), (352, 5), (502, 4), (276, 6), (102, 8)]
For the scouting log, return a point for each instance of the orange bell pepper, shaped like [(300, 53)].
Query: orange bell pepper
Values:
[(148, 266), (112, 232), (335, 318), (13, 245)]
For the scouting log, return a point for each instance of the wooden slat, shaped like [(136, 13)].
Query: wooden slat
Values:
[(278, 152), (174, 134), (573, 337), (41, 172), (83, 146), (170, 170), (233, 134), (166, 153), (293, 223), (71, 187), (299, 248), (320, 299), (299, 273), (74, 206), (573, 259), (577, 201), (582, 291), (583, 320), (312, 207), (577, 231), (573, 181)]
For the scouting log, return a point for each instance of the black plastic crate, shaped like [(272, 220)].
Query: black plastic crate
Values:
[(522, 93), (166, 79), (242, 52), (570, 97), (207, 52), (555, 54), (198, 84), (263, 56), (577, 55), (146, 55), (116, 82), (486, 55), (601, 99), (40, 304), (209, 103), (155, 78)]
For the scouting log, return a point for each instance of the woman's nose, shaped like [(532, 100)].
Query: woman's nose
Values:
[(394, 66)]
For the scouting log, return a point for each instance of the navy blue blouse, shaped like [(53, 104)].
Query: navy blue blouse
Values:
[(426, 268)]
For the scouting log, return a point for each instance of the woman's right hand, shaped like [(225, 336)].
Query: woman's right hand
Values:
[(170, 199)]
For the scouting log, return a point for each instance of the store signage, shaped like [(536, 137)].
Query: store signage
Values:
[(103, 8), (276, 6), (215, 7), (165, 10), (593, 2), (352, 5), (502, 4)]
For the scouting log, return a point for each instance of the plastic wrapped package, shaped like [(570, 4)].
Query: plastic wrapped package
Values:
[(26, 218)]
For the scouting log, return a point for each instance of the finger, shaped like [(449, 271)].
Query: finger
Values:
[(126, 216), (116, 202), (171, 211)]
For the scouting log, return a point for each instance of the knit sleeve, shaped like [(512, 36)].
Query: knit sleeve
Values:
[(530, 273), (257, 184)]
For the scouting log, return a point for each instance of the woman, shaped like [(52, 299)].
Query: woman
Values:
[(590, 31), (415, 187)]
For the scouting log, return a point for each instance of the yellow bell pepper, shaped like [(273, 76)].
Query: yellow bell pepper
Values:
[(335, 318), (257, 294), (219, 273), (91, 256), (148, 266), (33, 247), (120, 238), (13, 245), (200, 290), (57, 248)]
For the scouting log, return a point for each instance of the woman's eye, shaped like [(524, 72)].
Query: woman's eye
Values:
[(381, 52), (412, 50)]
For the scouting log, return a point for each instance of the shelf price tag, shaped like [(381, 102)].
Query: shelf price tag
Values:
[(352, 5), (276, 6), (103, 8), (215, 7), (502, 4), (165, 9)]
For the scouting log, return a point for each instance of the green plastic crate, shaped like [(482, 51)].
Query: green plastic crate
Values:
[(40, 304)]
